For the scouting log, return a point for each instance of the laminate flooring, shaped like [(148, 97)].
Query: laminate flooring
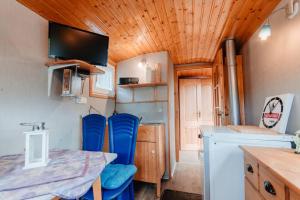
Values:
[(187, 178)]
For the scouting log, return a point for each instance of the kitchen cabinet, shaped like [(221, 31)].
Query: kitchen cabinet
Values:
[(150, 156), (271, 174)]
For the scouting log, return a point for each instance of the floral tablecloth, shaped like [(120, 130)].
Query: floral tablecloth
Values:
[(69, 174)]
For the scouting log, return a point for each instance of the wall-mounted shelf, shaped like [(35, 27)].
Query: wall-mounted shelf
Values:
[(133, 102), (141, 85), (144, 85), (92, 69), (61, 64)]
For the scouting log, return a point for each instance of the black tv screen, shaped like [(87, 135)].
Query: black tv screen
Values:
[(71, 43)]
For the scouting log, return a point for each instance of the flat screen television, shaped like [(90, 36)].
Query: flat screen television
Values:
[(71, 43)]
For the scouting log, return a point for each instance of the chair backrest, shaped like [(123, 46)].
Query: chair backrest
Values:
[(93, 130), (123, 130)]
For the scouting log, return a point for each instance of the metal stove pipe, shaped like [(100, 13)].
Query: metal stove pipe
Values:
[(232, 82)]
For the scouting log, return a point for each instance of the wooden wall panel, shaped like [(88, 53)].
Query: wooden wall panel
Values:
[(190, 30)]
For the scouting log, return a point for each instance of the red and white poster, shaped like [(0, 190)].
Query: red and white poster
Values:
[(276, 112)]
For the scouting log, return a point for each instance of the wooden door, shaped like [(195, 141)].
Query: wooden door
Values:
[(206, 105), (195, 110), (220, 104)]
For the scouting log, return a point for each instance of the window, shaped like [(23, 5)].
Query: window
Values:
[(103, 85)]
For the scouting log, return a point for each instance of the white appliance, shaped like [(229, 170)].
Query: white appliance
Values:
[(224, 162)]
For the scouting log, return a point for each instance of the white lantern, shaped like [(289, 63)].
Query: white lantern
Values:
[(36, 147)]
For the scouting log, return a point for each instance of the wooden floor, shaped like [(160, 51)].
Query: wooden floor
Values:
[(187, 178), (190, 156)]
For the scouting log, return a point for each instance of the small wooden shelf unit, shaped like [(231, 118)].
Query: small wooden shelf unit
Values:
[(150, 154)]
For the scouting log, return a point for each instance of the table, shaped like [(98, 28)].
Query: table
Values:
[(69, 174)]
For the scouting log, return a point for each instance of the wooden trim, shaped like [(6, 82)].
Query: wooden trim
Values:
[(194, 64), (97, 189), (191, 67), (168, 128), (177, 126), (176, 97), (56, 198)]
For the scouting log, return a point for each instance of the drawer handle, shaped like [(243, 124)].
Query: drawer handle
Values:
[(269, 188), (200, 135), (249, 168)]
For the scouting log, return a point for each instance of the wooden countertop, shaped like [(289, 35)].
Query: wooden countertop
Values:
[(252, 129), (282, 163)]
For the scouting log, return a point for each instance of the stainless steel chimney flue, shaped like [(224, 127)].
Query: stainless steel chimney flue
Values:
[(232, 82)]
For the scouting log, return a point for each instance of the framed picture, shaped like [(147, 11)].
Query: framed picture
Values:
[(276, 112)]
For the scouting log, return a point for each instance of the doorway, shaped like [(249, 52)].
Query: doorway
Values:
[(193, 94), (195, 97)]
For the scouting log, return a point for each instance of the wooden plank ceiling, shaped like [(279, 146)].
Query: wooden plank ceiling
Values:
[(190, 30)]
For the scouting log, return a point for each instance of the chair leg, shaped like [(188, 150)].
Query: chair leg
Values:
[(128, 193), (131, 191)]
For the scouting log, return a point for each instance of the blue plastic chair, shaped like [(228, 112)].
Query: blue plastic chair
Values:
[(93, 130), (123, 130)]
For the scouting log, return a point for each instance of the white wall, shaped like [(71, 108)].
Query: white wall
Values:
[(273, 67), (151, 112), (23, 84), (172, 115)]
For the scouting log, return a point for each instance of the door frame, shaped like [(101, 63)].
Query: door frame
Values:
[(195, 70)]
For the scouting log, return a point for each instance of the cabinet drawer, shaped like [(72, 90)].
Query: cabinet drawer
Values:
[(294, 195), (269, 186), (250, 192), (146, 134), (251, 170)]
